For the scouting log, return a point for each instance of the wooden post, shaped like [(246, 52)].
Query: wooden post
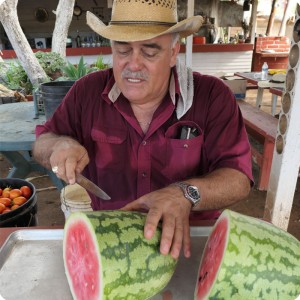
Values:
[(286, 157)]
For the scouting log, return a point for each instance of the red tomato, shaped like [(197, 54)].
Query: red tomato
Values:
[(26, 191), (19, 200), (7, 209), (5, 201), (15, 193), (2, 208), (15, 206), (5, 193)]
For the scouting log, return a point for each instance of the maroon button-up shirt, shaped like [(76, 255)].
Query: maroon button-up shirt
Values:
[(127, 163)]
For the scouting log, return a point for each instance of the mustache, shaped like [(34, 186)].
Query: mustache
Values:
[(134, 75)]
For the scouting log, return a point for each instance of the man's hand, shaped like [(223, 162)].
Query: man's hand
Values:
[(62, 154), (170, 206), (70, 158)]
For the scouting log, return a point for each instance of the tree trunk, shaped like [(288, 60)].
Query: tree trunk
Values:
[(64, 14), (253, 21), (288, 6), (271, 18), (10, 21)]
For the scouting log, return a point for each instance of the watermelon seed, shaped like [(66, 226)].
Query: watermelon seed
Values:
[(201, 278)]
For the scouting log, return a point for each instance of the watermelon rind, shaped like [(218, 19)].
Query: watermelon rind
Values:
[(131, 267), (260, 261)]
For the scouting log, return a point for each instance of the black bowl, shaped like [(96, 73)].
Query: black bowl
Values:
[(25, 215)]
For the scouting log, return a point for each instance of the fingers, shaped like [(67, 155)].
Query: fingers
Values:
[(175, 227), (152, 220), (186, 240), (67, 160), (169, 237), (175, 233), (163, 206)]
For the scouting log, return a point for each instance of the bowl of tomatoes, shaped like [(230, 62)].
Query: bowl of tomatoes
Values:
[(18, 203)]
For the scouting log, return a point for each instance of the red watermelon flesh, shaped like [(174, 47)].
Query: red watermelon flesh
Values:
[(248, 258), (212, 258), (82, 262)]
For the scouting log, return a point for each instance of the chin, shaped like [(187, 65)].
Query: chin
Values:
[(134, 95)]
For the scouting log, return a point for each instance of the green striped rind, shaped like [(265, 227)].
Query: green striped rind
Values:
[(260, 261), (132, 266)]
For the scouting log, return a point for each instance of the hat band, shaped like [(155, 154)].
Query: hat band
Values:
[(141, 23)]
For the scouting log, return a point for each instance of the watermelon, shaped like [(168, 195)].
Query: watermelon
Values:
[(107, 257), (247, 258)]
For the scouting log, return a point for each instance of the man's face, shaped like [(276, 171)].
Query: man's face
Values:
[(142, 69)]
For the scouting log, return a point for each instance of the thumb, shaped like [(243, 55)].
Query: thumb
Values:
[(131, 206), (136, 205)]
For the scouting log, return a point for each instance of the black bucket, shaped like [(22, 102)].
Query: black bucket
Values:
[(52, 93), (25, 215)]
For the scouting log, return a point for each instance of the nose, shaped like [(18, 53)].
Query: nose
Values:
[(135, 61)]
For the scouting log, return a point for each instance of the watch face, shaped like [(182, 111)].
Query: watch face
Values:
[(193, 193)]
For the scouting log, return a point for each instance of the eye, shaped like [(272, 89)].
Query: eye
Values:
[(149, 53), (123, 50)]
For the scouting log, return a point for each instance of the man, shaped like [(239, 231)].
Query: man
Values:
[(148, 129)]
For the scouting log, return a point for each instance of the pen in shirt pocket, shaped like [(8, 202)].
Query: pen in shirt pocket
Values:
[(188, 132)]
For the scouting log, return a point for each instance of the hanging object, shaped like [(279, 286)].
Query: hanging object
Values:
[(41, 14), (77, 11)]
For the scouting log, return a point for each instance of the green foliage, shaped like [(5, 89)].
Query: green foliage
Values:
[(74, 72), (51, 62), (99, 64), (13, 75)]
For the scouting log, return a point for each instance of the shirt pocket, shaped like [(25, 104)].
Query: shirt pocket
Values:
[(183, 156), (110, 148)]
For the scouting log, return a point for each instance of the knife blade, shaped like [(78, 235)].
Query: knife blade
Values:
[(91, 187)]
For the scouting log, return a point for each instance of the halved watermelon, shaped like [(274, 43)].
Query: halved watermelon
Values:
[(107, 257), (247, 258)]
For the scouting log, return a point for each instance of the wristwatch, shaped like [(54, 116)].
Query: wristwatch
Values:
[(190, 192)]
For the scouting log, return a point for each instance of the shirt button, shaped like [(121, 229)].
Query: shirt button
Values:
[(144, 143), (144, 174)]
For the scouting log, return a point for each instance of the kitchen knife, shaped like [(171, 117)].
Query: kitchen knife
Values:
[(91, 187)]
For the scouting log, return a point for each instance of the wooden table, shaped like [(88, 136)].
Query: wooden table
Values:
[(17, 135), (254, 78)]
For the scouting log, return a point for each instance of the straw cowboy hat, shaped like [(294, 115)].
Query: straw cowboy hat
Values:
[(142, 20)]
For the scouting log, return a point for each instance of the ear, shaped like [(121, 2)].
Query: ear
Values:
[(175, 51)]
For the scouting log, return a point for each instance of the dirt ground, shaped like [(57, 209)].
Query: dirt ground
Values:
[(50, 214)]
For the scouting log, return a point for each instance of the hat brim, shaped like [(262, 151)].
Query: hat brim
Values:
[(138, 32)]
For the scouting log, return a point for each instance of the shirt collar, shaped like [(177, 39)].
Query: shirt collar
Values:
[(174, 92)]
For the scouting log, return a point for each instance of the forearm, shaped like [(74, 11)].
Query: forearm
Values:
[(221, 188), (45, 145)]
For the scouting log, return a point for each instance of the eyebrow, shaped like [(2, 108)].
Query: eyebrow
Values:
[(147, 45)]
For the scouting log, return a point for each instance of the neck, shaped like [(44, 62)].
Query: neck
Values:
[(144, 113)]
